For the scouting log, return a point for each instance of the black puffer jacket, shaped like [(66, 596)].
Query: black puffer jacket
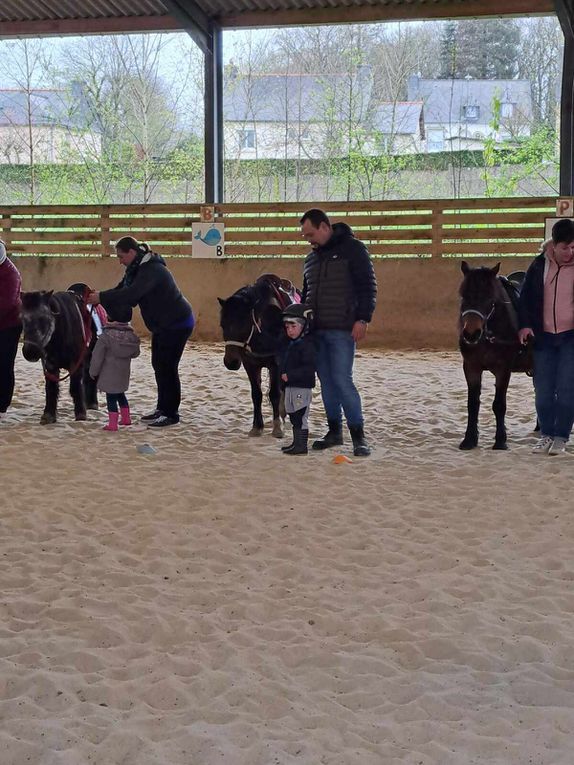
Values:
[(153, 288), (339, 281), (296, 359)]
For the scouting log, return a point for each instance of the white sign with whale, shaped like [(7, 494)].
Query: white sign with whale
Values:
[(208, 240)]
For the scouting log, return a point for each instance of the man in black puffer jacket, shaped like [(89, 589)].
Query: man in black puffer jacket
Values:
[(339, 284)]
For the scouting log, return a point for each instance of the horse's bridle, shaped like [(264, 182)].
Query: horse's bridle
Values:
[(484, 331), (245, 345)]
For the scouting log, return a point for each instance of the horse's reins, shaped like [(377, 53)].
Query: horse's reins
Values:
[(80, 360)]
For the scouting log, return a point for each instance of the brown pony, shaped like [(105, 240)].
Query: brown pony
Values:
[(488, 341)]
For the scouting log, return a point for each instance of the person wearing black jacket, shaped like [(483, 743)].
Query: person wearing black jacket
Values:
[(340, 286), (166, 313), (296, 359)]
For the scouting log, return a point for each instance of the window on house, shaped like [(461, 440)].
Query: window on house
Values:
[(298, 133), (247, 139), (435, 139), (506, 109), (471, 112)]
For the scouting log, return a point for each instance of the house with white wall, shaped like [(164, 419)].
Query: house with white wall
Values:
[(295, 116), (44, 126), (460, 114)]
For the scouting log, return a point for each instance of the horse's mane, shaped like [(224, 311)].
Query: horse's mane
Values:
[(250, 296)]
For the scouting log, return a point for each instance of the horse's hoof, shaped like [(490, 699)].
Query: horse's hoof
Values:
[(47, 419), (254, 432), (277, 431), (467, 444), (502, 447), (81, 417)]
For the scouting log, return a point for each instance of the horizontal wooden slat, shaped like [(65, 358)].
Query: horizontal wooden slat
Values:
[(488, 247), (499, 217), (143, 222), (419, 204), (34, 222), (55, 236), (56, 249), (99, 209), (518, 232), (354, 221), (269, 250)]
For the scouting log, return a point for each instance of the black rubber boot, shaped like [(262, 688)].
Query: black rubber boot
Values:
[(360, 446), (291, 445), (333, 437), (300, 440)]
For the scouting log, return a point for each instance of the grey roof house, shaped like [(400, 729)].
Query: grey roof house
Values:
[(293, 115), (459, 114), (48, 125)]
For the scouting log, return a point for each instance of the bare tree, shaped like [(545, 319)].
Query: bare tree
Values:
[(23, 63)]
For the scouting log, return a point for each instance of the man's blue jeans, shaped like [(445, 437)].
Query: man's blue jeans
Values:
[(335, 356), (554, 383)]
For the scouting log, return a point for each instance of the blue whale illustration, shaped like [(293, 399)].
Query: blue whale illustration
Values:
[(212, 237)]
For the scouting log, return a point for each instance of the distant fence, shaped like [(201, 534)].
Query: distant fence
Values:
[(420, 229)]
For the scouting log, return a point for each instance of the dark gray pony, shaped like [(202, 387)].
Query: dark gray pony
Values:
[(56, 332), (252, 324)]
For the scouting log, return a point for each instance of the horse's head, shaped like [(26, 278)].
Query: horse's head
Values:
[(479, 293), (238, 323), (39, 322)]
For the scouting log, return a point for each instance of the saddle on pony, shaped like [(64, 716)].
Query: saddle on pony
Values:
[(284, 290), (513, 285)]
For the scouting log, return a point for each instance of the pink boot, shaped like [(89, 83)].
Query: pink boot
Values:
[(125, 415), (112, 421)]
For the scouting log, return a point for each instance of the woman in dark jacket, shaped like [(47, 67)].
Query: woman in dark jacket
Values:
[(10, 325), (166, 313)]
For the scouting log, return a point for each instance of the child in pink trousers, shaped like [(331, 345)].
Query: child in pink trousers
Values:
[(111, 360)]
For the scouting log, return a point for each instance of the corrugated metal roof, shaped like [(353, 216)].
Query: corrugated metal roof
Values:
[(43, 10), (61, 10)]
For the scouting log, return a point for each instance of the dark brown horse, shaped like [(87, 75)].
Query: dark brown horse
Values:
[(252, 326), (56, 332), (488, 341)]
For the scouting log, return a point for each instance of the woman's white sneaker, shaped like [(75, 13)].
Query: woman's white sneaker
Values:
[(558, 447), (543, 445)]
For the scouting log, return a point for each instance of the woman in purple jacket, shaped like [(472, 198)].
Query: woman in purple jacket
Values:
[(10, 325)]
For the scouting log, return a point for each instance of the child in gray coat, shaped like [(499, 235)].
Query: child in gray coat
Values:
[(111, 359)]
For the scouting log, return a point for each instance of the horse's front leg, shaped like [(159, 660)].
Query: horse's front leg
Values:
[(473, 381), (52, 393), (275, 398), (254, 374), (77, 394), (499, 407)]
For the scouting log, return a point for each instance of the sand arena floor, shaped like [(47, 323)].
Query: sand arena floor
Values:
[(218, 602)]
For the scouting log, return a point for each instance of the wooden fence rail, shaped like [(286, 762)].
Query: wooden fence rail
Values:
[(420, 229)]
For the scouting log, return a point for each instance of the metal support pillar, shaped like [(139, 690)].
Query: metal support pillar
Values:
[(565, 12), (214, 117)]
